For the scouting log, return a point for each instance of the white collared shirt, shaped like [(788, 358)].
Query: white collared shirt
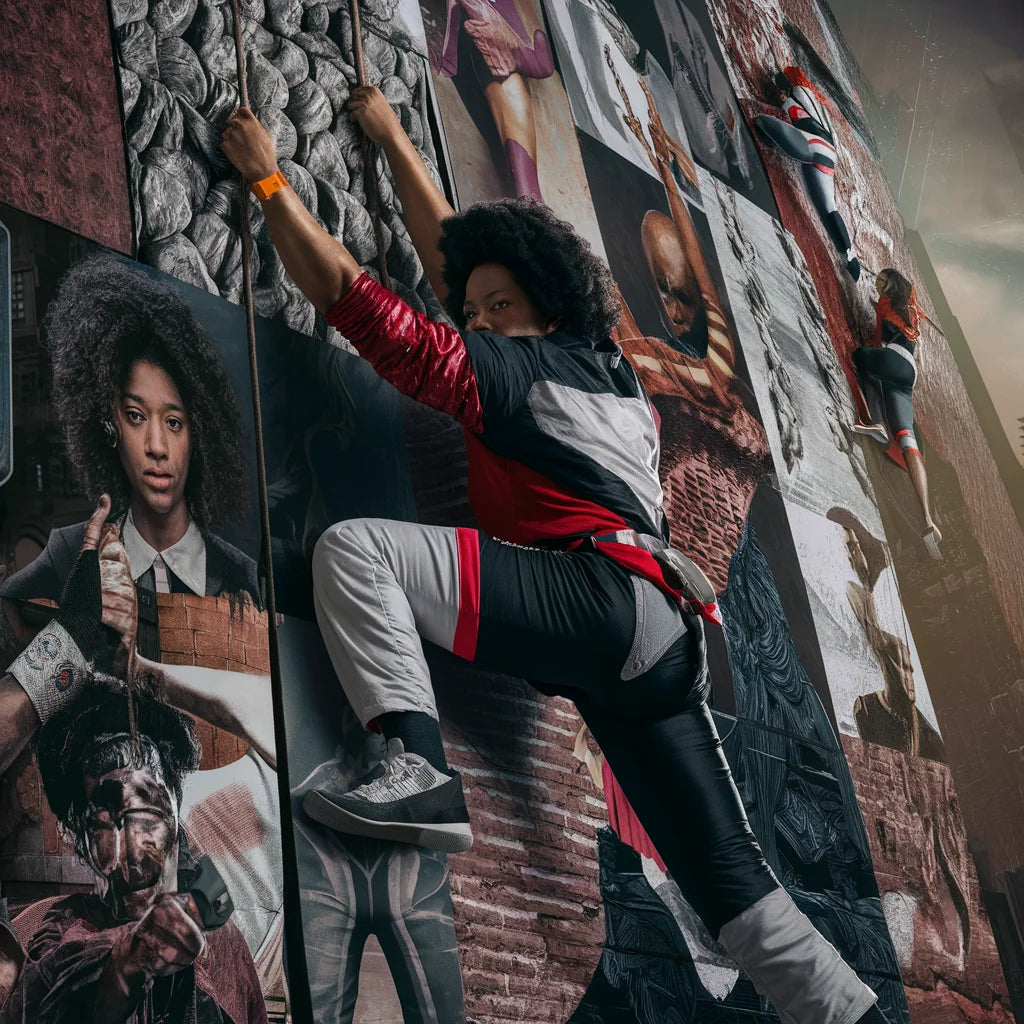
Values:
[(186, 558)]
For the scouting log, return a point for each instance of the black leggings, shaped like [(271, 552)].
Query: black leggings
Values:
[(820, 185), (887, 380), (568, 625), (567, 621)]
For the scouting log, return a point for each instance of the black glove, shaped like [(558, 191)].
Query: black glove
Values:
[(81, 612)]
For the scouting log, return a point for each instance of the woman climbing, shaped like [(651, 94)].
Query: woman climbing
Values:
[(887, 371), (805, 133), (581, 594)]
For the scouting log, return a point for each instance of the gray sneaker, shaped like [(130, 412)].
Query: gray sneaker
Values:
[(876, 431), (406, 800)]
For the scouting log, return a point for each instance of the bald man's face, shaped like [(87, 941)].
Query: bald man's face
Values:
[(672, 273)]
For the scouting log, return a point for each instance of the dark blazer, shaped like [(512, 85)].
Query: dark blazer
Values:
[(228, 570)]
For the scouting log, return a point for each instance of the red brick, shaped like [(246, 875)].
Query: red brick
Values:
[(207, 661), (256, 634), (172, 616), (498, 938), (208, 619), (238, 666), (212, 644), (170, 601), (194, 601), (502, 961), (171, 658), (236, 650), (180, 641), (258, 658)]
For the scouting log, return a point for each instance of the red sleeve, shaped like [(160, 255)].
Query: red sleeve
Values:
[(422, 358)]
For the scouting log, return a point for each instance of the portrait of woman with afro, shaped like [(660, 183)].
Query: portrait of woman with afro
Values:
[(149, 417)]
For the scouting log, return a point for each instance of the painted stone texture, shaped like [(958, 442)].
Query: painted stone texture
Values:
[(179, 84), (61, 147), (929, 887)]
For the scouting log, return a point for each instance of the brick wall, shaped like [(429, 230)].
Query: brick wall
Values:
[(929, 886), (528, 909), (207, 631)]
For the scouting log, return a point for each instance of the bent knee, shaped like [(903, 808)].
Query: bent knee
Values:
[(343, 545)]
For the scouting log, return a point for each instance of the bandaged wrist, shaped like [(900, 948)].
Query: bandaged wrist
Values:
[(52, 670)]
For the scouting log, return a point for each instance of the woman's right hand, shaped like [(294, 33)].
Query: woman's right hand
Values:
[(117, 589), (368, 108)]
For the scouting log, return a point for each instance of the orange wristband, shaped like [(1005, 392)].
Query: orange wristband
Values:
[(265, 188)]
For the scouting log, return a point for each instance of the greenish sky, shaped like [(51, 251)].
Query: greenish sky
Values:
[(953, 164)]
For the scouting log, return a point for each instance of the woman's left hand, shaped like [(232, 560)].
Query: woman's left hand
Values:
[(249, 146), (372, 112)]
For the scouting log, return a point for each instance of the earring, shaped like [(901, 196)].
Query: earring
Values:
[(111, 431)]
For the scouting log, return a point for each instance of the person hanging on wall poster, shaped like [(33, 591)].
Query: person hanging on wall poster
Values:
[(887, 371), (691, 309), (511, 46), (805, 133), (156, 939), (149, 417), (889, 716), (573, 553)]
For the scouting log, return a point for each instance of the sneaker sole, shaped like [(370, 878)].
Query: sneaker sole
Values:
[(875, 435), (932, 546), (452, 838)]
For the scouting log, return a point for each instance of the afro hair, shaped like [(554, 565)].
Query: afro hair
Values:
[(553, 264), (107, 316), (90, 736)]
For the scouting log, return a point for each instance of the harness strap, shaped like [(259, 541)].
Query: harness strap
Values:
[(679, 572)]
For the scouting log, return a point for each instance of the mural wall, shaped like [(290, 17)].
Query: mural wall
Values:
[(863, 682), (140, 393)]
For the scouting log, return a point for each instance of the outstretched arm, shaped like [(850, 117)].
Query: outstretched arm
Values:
[(424, 205), (320, 265), (239, 702), (18, 721), (425, 360)]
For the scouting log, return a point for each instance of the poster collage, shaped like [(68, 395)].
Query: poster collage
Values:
[(156, 858)]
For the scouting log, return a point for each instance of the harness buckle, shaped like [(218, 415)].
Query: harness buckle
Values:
[(680, 573)]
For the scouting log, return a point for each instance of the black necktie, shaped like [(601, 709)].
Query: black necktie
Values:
[(148, 640)]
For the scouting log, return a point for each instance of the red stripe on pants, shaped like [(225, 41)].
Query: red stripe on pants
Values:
[(623, 819), (468, 623)]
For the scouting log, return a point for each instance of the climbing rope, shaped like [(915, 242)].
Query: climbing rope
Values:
[(299, 994), (369, 153)]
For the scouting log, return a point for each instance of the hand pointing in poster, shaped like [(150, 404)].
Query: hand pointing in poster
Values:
[(119, 600)]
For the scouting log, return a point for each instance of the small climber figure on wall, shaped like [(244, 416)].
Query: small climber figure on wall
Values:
[(887, 371), (805, 133)]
